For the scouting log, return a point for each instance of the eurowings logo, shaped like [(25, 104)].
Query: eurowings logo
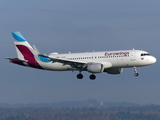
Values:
[(116, 53)]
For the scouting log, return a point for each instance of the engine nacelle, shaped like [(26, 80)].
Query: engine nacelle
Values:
[(114, 70), (95, 67)]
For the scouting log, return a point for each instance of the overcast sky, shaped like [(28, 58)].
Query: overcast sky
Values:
[(80, 26)]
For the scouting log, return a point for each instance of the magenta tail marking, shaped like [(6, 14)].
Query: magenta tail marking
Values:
[(28, 55)]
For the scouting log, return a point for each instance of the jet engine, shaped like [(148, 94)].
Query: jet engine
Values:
[(114, 70), (95, 67)]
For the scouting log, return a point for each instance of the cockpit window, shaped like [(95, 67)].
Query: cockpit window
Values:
[(145, 54)]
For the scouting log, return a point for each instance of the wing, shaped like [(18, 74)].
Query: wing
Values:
[(73, 63)]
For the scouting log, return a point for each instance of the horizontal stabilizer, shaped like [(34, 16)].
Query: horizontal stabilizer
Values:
[(16, 59)]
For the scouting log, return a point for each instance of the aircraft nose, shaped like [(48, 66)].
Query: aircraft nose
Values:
[(153, 60)]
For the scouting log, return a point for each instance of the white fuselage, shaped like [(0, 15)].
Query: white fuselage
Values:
[(117, 59)]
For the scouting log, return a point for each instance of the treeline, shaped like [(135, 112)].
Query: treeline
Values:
[(110, 113)]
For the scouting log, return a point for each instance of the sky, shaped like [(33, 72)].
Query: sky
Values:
[(80, 26)]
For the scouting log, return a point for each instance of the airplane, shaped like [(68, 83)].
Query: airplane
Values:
[(111, 62)]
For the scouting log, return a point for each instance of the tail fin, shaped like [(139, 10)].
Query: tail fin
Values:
[(26, 54), (23, 48)]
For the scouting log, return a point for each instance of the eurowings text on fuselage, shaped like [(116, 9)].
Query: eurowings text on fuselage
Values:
[(111, 62)]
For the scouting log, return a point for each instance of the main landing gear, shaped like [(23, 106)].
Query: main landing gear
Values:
[(135, 71), (92, 76), (79, 76)]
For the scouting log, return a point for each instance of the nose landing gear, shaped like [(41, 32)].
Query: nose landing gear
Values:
[(135, 71), (136, 74)]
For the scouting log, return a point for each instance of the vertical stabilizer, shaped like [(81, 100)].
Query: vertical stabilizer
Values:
[(26, 54), (23, 48)]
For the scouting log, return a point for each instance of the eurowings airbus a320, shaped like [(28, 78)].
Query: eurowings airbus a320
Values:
[(111, 62)]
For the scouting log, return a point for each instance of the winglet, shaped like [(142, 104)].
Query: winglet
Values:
[(35, 48)]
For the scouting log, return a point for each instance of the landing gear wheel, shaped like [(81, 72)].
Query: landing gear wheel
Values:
[(92, 77), (79, 76), (136, 74), (135, 71)]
